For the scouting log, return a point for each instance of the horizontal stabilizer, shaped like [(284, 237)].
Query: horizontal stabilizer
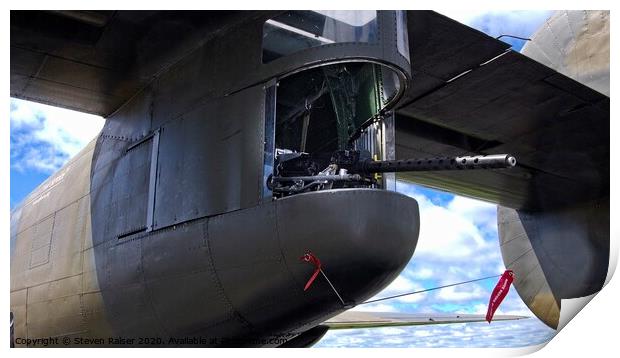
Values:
[(357, 319)]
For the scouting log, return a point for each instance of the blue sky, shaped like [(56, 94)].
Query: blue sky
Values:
[(458, 237), (42, 139)]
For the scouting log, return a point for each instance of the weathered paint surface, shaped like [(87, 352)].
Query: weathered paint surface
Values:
[(54, 287)]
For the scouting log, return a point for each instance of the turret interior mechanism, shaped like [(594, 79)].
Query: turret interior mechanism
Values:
[(332, 130)]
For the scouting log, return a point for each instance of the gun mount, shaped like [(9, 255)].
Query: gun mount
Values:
[(298, 172)]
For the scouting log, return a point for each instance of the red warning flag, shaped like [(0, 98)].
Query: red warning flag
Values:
[(309, 257), (499, 293)]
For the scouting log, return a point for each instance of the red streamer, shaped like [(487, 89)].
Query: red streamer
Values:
[(499, 293), (309, 257)]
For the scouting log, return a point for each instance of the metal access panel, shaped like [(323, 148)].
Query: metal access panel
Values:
[(41, 242), (210, 159), (130, 189)]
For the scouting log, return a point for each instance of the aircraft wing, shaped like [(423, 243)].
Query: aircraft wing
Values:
[(95, 61), (359, 319), (470, 94)]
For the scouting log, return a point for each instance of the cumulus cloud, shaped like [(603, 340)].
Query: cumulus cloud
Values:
[(376, 307), (462, 293), (43, 137), (483, 215), (445, 233), (458, 240), (402, 285), (422, 274), (455, 243)]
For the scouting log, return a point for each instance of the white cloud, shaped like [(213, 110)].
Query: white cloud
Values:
[(23, 114), (376, 307), (462, 293), (422, 333), (391, 331), (44, 159), (403, 285), (480, 309), (43, 137), (480, 213), (458, 241), (452, 232), (423, 273)]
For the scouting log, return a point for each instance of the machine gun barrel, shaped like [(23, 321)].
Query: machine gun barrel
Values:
[(495, 161)]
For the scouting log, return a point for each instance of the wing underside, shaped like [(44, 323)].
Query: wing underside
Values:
[(470, 94)]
